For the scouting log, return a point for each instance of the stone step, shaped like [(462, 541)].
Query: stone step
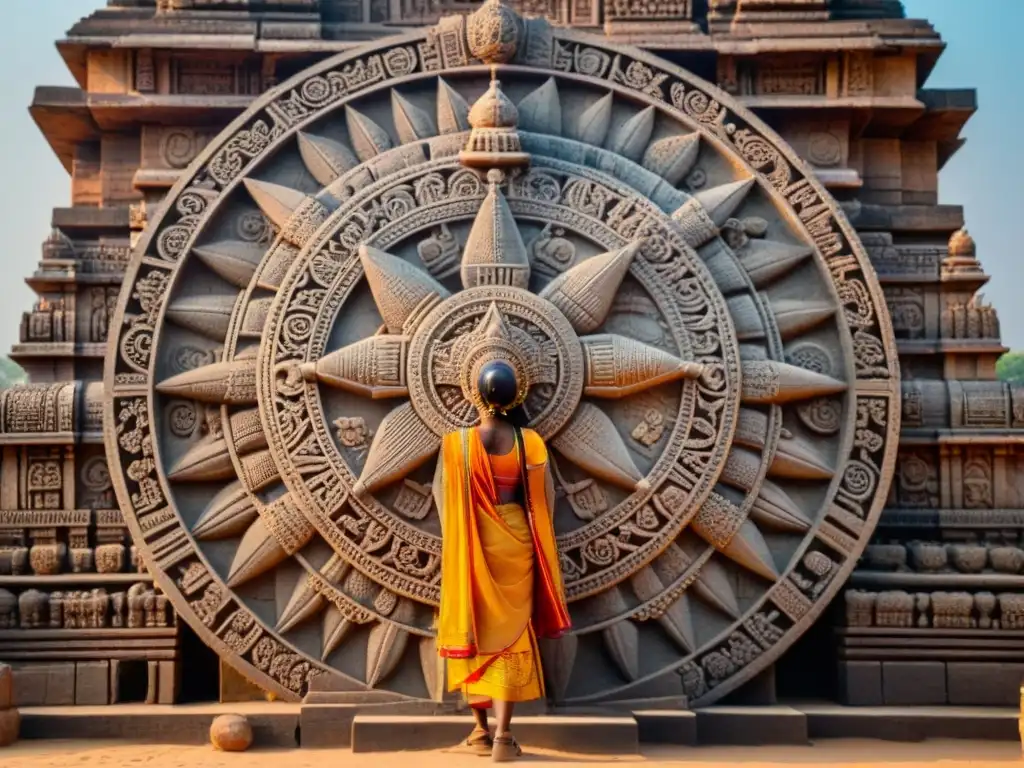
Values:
[(832, 721), (751, 726), (273, 724), (582, 734), (325, 725)]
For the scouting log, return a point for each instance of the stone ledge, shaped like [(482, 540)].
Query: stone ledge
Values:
[(602, 735), (666, 726), (312, 726), (751, 726), (273, 725), (831, 721)]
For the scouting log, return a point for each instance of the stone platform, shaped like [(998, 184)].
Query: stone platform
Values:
[(608, 733)]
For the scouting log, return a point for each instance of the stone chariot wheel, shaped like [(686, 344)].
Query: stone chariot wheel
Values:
[(706, 347)]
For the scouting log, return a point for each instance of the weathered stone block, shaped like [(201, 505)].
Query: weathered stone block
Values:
[(167, 682), (327, 725), (665, 726), (92, 683), (913, 682), (44, 685), (860, 683), (980, 684), (751, 725)]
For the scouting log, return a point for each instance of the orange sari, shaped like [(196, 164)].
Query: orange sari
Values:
[(501, 582)]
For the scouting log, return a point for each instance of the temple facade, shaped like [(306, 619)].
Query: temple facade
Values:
[(202, 459)]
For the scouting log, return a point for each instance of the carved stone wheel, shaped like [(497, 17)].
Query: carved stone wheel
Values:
[(705, 344)]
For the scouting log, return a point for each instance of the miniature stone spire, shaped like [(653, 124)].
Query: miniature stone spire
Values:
[(494, 140), (961, 259), (495, 253)]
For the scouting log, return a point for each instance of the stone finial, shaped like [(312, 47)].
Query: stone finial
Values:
[(493, 32), (961, 243), (494, 109), (962, 257), (494, 141)]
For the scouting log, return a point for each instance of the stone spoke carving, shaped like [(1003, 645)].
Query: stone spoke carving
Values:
[(307, 601), (724, 526), (667, 604), (617, 367), (770, 382), (592, 441), (402, 443), (207, 315), (373, 367), (713, 587), (228, 383), (402, 292), (325, 158), (279, 531), (386, 646), (614, 252), (234, 260), (228, 514), (585, 293), (703, 214)]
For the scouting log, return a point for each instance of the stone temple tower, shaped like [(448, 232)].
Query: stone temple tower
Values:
[(709, 232)]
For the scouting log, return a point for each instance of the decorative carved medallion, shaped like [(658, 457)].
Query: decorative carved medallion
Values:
[(705, 346)]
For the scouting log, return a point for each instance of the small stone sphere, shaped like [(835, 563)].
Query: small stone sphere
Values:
[(231, 733), (10, 723)]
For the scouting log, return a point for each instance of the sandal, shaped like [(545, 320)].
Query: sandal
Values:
[(479, 742), (505, 749)]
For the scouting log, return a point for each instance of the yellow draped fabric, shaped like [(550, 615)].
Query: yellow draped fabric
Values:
[(501, 582)]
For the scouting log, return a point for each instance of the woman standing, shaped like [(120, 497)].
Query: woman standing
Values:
[(501, 584)]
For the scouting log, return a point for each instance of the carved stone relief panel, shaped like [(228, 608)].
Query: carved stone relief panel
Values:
[(199, 75), (969, 317), (707, 351), (795, 75), (824, 143), (917, 479), (907, 309), (939, 610), (48, 322), (97, 305), (172, 148)]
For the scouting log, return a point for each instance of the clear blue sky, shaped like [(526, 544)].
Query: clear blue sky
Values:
[(985, 51)]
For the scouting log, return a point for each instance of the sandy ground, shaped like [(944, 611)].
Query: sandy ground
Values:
[(846, 753)]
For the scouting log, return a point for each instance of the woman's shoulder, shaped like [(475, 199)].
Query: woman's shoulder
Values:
[(534, 441)]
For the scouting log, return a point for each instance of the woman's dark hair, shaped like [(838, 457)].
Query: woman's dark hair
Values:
[(499, 390), (497, 385)]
